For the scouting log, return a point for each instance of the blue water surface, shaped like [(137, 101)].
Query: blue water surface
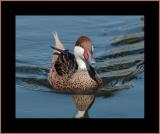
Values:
[(35, 99)]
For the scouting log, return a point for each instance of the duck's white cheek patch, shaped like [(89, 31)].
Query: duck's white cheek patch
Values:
[(85, 55)]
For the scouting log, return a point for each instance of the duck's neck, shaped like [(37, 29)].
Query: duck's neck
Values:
[(81, 64), (78, 53)]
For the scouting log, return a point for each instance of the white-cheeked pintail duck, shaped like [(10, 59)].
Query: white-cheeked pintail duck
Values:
[(73, 72)]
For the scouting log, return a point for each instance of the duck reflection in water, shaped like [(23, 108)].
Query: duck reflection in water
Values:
[(83, 103)]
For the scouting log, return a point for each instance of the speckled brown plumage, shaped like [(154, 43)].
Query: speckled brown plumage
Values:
[(79, 81)]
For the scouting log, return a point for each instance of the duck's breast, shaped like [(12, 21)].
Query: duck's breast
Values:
[(82, 80)]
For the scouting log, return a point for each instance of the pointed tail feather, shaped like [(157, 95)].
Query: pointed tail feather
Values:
[(58, 48), (58, 43)]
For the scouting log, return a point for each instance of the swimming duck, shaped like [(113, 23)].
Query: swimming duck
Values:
[(74, 72)]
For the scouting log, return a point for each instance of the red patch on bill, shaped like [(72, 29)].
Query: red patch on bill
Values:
[(85, 55)]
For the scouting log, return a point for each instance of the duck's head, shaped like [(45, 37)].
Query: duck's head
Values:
[(83, 52)]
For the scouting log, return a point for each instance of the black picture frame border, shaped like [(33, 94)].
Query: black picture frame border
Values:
[(149, 9)]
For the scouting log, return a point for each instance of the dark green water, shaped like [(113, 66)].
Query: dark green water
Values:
[(119, 53)]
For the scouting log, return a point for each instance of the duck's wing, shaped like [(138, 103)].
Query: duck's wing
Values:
[(63, 61), (95, 76), (66, 63)]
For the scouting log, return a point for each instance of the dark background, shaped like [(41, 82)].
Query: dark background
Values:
[(148, 124)]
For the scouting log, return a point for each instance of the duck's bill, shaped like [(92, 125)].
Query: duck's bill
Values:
[(91, 60)]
